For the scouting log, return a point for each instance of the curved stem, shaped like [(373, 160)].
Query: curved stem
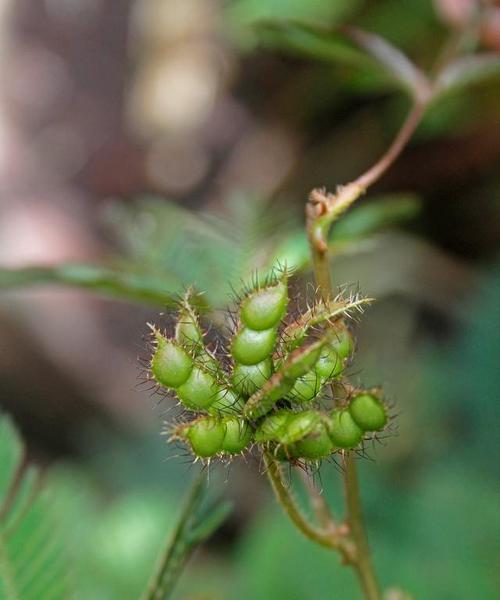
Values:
[(323, 209), (329, 537), (387, 159)]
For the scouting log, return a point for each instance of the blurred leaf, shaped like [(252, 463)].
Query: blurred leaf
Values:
[(366, 218), (212, 250), (397, 64), (194, 526), (468, 71), (316, 42), (242, 14), (33, 554), (350, 46), (126, 282)]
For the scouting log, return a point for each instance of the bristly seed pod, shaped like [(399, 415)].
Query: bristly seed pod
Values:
[(315, 445), (299, 425), (247, 379), (187, 330), (306, 388), (250, 347), (199, 390), (171, 365), (210, 436), (273, 427), (344, 432), (238, 435), (226, 402), (329, 364), (206, 436), (368, 412), (264, 308)]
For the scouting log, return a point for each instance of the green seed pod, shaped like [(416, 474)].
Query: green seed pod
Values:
[(368, 412), (329, 364), (226, 402), (306, 388), (206, 436), (299, 425), (343, 342), (273, 427), (199, 391), (264, 308), (238, 435), (344, 432), (315, 445), (171, 365), (187, 330), (263, 400), (250, 347), (247, 379), (322, 313), (302, 360)]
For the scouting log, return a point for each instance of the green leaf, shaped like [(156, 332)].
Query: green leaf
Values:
[(194, 526), (125, 282), (33, 555), (369, 217), (313, 41), (365, 51), (467, 71), (397, 65)]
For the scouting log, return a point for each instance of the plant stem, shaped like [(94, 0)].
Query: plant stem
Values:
[(363, 565), (402, 137), (329, 537), (177, 549), (318, 502), (321, 211)]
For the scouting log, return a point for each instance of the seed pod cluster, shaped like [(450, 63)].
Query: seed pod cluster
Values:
[(267, 394), (314, 434)]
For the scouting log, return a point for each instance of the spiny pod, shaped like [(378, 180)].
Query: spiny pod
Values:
[(238, 435), (323, 313), (261, 312), (206, 436), (171, 365), (299, 362), (197, 381), (303, 435), (264, 308), (211, 436), (343, 430), (315, 445), (187, 330), (306, 388), (247, 379), (368, 412), (250, 347)]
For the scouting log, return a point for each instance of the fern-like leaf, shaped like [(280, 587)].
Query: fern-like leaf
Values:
[(33, 556)]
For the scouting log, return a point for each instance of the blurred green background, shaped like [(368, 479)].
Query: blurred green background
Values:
[(149, 145)]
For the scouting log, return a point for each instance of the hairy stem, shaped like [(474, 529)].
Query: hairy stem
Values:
[(330, 536)]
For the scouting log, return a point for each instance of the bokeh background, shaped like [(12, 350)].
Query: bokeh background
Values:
[(151, 144)]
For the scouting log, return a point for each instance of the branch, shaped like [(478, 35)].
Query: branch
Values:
[(323, 209), (330, 537)]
